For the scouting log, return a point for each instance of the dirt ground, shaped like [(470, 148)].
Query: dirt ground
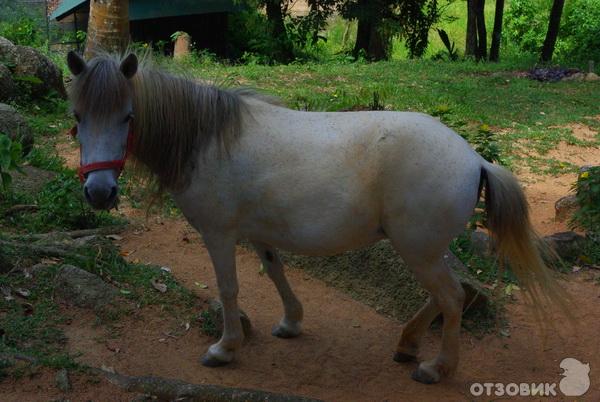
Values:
[(345, 352)]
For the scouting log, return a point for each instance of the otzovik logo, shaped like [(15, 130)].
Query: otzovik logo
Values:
[(575, 382)]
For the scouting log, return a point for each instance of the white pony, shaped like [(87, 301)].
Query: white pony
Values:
[(311, 183)]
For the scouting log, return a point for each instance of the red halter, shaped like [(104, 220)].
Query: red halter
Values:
[(117, 164)]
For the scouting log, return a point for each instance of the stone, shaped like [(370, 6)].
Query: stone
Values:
[(592, 77), (34, 66), (566, 244), (8, 52), (183, 45), (215, 311), (15, 126), (564, 207), (480, 243), (83, 289), (575, 77), (62, 380), (32, 180), (8, 88)]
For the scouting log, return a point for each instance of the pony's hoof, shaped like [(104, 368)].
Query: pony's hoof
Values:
[(426, 375), (211, 361), (286, 330), (401, 357)]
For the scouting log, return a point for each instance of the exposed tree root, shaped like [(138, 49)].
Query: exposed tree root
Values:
[(170, 390)]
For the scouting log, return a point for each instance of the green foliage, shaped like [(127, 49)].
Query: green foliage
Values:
[(62, 206), (587, 189), (580, 31), (10, 159), (23, 31), (526, 22), (485, 144)]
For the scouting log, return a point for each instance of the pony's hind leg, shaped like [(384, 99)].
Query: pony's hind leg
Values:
[(413, 332), (447, 296), (290, 324)]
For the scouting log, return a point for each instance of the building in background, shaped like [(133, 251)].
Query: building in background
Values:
[(154, 21)]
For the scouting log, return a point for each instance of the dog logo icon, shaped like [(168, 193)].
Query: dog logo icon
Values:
[(576, 379)]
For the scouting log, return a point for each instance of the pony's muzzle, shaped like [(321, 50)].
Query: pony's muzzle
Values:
[(101, 190)]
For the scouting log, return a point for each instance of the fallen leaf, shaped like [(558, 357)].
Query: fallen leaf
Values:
[(576, 268), (124, 253), (125, 292), (187, 326), (6, 293), (114, 237), (161, 287), (50, 261), (107, 369), (201, 285), (505, 333), (261, 270), (165, 269), (23, 292)]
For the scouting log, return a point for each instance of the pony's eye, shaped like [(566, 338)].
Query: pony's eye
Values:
[(76, 116)]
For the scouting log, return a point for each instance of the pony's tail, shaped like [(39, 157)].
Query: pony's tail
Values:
[(517, 243)]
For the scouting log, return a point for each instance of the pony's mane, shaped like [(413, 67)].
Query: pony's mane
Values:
[(175, 118)]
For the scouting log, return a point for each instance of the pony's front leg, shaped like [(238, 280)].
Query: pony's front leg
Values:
[(222, 252)]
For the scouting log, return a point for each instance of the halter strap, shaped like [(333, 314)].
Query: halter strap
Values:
[(117, 164)]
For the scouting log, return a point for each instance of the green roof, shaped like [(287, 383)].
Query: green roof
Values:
[(147, 9)]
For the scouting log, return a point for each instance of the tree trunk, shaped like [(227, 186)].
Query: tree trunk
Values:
[(497, 32), (374, 43), (471, 43), (108, 27), (481, 53), (553, 27), (275, 16)]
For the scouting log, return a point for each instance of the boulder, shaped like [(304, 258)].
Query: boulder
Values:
[(32, 180), (575, 77), (8, 88), (15, 126), (83, 289), (567, 245), (8, 52), (564, 207), (37, 70), (476, 296), (592, 77), (481, 243)]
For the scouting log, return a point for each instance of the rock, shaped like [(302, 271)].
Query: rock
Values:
[(8, 88), (15, 126), (575, 77), (39, 72), (592, 77), (564, 207), (480, 243), (8, 52), (62, 380), (476, 297), (183, 46), (566, 244), (82, 288), (32, 180), (215, 311)]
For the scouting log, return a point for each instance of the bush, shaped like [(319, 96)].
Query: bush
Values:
[(10, 159), (580, 31), (587, 189), (526, 22), (22, 31)]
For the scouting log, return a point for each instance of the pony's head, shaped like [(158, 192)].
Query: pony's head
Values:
[(101, 97)]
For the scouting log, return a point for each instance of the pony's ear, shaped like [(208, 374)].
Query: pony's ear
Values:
[(129, 66), (76, 63)]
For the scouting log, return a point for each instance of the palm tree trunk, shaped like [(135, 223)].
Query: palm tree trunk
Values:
[(481, 52), (108, 27), (471, 43), (553, 27)]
